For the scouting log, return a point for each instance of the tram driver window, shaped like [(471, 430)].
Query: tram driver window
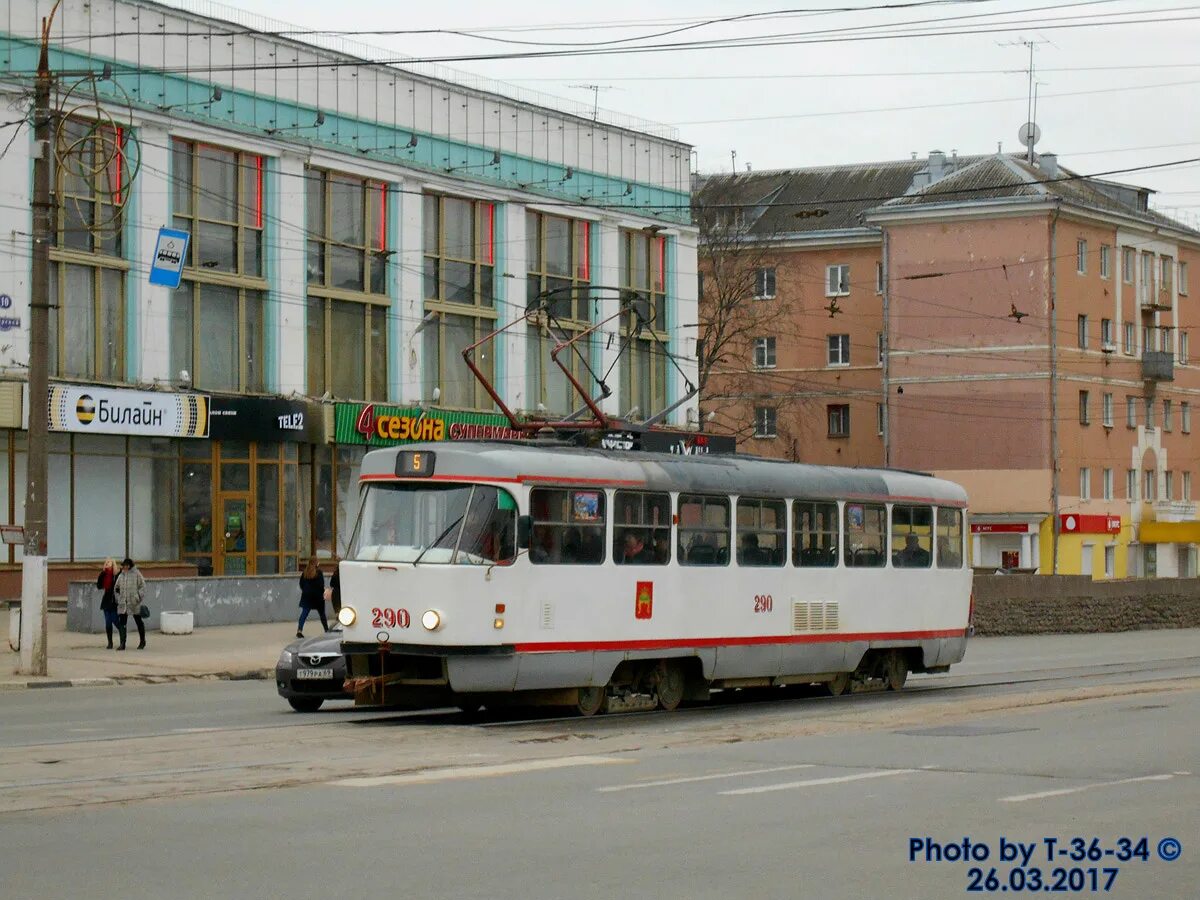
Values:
[(761, 532), (949, 538), (703, 530), (815, 537), (568, 527), (641, 528), (912, 532), (866, 535)]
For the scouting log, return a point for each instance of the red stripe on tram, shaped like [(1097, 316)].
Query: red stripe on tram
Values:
[(756, 640)]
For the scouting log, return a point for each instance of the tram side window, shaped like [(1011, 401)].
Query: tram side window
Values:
[(703, 530), (949, 538), (761, 532), (568, 527), (866, 534), (815, 540), (912, 536), (641, 529)]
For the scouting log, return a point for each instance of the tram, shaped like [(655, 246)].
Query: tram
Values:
[(539, 572)]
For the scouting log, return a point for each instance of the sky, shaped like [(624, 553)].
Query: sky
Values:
[(1110, 97)]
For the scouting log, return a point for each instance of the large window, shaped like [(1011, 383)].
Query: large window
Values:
[(568, 526), (815, 533), (87, 273), (641, 528), (866, 534), (949, 538), (347, 224), (217, 314), (643, 263), (703, 530), (912, 528), (459, 249), (558, 256), (839, 420), (764, 353), (761, 532), (838, 346)]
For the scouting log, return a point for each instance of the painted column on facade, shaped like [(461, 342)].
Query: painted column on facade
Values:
[(286, 317), (395, 275), (409, 306), (607, 271), (683, 317), (511, 263)]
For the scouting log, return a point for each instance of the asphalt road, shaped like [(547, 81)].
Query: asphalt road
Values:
[(218, 790)]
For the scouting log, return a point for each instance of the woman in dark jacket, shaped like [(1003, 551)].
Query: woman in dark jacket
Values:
[(106, 581), (335, 587), (312, 595)]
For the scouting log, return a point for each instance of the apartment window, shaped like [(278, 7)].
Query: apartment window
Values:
[(1149, 485), (1149, 412), (87, 273), (879, 418), (879, 347), (839, 420), (1127, 255), (1167, 341), (1168, 485), (1185, 417), (458, 244), (347, 223), (1183, 278), (1183, 348), (839, 349), (879, 278), (1106, 335), (643, 269), (217, 315), (1168, 424), (1147, 280), (764, 353), (1147, 338), (1131, 411), (1106, 410), (1187, 486), (1105, 263), (1128, 338), (1131, 484), (764, 422), (764, 283), (1108, 484), (1166, 273), (1082, 331), (1084, 414), (1081, 256), (837, 280), (1085, 484)]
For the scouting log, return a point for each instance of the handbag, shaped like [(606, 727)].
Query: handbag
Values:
[(144, 612)]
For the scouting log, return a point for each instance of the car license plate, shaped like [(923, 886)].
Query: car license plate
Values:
[(314, 674)]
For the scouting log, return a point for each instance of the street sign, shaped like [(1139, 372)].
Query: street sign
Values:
[(170, 253)]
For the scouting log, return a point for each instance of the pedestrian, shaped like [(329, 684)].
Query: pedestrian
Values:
[(130, 589), (106, 581), (312, 595), (334, 591)]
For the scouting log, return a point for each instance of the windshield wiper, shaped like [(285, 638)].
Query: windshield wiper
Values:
[(437, 539)]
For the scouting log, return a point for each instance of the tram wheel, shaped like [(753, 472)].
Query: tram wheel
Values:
[(592, 700), (895, 671), (671, 684), (839, 685)]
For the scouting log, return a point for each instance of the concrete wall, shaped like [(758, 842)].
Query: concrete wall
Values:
[(213, 601), (1041, 604)]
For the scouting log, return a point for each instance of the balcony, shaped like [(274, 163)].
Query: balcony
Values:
[(1155, 299), (1173, 511), (1158, 365)]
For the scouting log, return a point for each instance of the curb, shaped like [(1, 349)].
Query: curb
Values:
[(171, 678)]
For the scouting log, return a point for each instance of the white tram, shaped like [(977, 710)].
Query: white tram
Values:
[(486, 572)]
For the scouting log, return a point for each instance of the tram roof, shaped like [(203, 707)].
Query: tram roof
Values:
[(532, 462)]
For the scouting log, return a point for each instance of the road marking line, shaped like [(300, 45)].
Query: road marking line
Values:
[(813, 782), (458, 773), (649, 784), (1020, 798)]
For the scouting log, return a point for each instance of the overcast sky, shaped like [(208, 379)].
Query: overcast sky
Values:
[(825, 103)]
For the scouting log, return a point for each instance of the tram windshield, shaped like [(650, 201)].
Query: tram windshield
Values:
[(448, 524)]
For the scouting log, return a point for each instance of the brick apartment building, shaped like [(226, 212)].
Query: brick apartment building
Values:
[(1012, 326)]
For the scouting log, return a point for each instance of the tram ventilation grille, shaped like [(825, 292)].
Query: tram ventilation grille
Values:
[(814, 616), (547, 615)]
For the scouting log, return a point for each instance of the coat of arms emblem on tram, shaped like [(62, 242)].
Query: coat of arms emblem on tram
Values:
[(644, 604)]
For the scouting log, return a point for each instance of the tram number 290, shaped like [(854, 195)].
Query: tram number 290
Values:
[(390, 618), (763, 603)]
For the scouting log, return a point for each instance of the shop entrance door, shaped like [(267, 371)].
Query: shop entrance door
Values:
[(236, 540)]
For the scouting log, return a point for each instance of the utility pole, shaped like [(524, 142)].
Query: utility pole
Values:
[(33, 563)]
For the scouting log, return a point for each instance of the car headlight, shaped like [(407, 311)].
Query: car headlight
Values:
[(431, 619), (347, 616), (285, 658)]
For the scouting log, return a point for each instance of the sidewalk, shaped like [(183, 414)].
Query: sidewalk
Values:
[(228, 652)]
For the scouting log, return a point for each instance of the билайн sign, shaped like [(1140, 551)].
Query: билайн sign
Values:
[(97, 410)]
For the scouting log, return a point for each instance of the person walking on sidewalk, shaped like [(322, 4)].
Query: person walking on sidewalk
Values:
[(106, 581), (312, 595), (131, 591), (334, 591)]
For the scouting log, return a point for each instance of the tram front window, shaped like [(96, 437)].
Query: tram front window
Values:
[(436, 524)]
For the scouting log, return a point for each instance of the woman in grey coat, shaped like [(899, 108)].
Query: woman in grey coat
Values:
[(130, 590)]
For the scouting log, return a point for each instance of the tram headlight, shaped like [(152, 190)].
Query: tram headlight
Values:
[(431, 619), (347, 616)]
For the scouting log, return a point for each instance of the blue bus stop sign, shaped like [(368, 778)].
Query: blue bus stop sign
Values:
[(170, 253)]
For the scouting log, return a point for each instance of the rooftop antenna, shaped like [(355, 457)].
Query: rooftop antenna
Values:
[(733, 158), (595, 89), (1030, 101)]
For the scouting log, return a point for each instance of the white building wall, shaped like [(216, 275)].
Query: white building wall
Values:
[(16, 223), (151, 303), (609, 272), (287, 233)]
